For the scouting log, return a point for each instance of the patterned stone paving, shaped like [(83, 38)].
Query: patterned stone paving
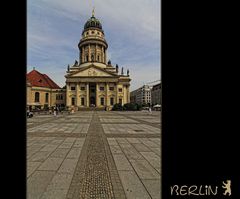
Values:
[(74, 120), (118, 120), (144, 117), (92, 177), (61, 128), (56, 134), (130, 129), (94, 155)]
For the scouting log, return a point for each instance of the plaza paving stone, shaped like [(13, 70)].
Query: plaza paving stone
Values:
[(94, 154)]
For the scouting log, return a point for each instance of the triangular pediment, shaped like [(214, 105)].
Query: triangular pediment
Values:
[(92, 71)]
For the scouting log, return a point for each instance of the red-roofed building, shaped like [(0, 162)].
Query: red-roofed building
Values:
[(43, 92)]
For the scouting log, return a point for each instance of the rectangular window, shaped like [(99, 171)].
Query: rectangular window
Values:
[(111, 101), (73, 88), (46, 98), (120, 100), (73, 101), (37, 97), (102, 101), (92, 90), (82, 88), (101, 88), (120, 90), (59, 97), (111, 88), (82, 101)]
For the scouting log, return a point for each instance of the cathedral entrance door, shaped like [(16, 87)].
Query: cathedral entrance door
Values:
[(92, 94), (92, 101)]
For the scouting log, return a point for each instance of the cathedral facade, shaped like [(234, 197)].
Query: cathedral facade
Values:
[(93, 81)]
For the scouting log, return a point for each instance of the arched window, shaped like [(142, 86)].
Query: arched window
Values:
[(92, 57), (98, 58), (37, 97)]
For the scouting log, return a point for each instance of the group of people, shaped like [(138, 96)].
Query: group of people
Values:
[(55, 111)]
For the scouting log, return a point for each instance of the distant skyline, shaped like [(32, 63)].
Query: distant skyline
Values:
[(131, 27)]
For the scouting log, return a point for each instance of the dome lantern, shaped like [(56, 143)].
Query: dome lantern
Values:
[(93, 22)]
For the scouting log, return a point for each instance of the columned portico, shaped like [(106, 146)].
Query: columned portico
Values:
[(92, 94), (97, 100), (116, 98), (67, 93), (106, 95), (77, 95), (87, 96)]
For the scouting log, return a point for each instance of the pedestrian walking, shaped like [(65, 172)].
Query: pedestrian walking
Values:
[(55, 111), (150, 110)]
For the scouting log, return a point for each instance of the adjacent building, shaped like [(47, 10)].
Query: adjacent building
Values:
[(156, 94), (92, 80), (141, 95), (43, 92)]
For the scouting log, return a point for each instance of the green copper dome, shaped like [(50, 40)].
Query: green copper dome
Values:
[(93, 23)]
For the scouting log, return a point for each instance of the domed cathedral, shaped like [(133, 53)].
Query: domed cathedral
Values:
[(93, 81)]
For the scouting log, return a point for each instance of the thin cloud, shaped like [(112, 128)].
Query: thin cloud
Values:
[(132, 30)]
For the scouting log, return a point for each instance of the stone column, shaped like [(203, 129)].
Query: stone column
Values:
[(77, 95), (105, 56), (80, 56), (106, 93), (97, 87), (87, 97), (89, 53), (102, 57), (95, 53), (83, 54), (68, 101)]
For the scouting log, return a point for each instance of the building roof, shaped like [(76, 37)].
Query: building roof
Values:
[(93, 23), (36, 78), (92, 66), (157, 85)]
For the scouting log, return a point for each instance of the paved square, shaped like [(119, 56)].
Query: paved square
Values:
[(94, 154)]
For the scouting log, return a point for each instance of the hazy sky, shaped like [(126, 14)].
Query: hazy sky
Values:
[(132, 30)]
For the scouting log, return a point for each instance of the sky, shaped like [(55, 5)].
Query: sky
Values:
[(131, 27)]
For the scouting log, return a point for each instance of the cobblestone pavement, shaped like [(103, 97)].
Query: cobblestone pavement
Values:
[(94, 155)]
